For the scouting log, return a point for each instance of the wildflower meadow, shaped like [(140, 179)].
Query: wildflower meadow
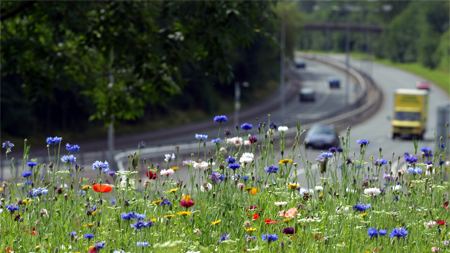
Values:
[(246, 195)]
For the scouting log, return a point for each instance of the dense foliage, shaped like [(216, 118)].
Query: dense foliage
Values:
[(245, 197)]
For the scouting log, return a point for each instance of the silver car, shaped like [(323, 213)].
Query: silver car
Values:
[(322, 136)]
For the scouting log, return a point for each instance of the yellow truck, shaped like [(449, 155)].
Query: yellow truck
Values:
[(410, 113)]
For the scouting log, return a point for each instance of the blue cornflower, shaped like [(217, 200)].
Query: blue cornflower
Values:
[(442, 145), (234, 166), (26, 174), (88, 236), (127, 216), (363, 142), (382, 232), (69, 159), (141, 144), (227, 132), (72, 148), (12, 208), (216, 177), (441, 162), (269, 238), (246, 126), (82, 192), (39, 192), (100, 165), (398, 232), (332, 150), (224, 237), (220, 118), (271, 169), (139, 224), (273, 125), (73, 233), (410, 159), (54, 140), (201, 137), (340, 166), (166, 202), (31, 164), (112, 173), (429, 162), (246, 178), (372, 232), (339, 149), (361, 207), (425, 149), (215, 140), (112, 202), (142, 244), (415, 171), (379, 162), (230, 160), (100, 245), (323, 156), (8, 145)]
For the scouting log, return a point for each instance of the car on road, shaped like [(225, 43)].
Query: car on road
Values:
[(300, 64), (423, 85), (307, 94), (322, 136), (334, 82)]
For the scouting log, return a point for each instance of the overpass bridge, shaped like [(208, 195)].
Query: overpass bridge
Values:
[(342, 27)]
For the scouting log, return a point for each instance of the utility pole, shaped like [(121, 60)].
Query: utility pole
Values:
[(237, 103), (282, 71)]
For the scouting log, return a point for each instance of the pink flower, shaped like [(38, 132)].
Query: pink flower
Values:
[(430, 224), (167, 172), (291, 213), (202, 165), (247, 143), (435, 249), (282, 213), (240, 185)]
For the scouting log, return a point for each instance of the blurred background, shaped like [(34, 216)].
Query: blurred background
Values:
[(83, 69)]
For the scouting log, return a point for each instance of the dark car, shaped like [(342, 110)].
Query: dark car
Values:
[(300, 64), (334, 83), (307, 94), (322, 136)]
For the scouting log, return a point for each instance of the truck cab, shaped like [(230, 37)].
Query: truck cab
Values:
[(410, 113)]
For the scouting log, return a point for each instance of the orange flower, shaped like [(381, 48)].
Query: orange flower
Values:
[(103, 188), (186, 198), (254, 190), (255, 216), (269, 221)]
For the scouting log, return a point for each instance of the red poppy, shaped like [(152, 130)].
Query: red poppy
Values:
[(440, 222), (151, 175), (187, 204), (445, 204), (104, 188), (269, 221), (93, 250), (255, 216), (318, 236), (9, 249)]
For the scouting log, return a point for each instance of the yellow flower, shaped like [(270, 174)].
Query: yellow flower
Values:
[(85, 187), (1, 189), (186, 198), (90, 224), (184, 213), (254, 191), (411, 185), (173, 190), (363, 214), (99, 228), (96, 211), (38, 247), (399, 226), (26, 201), (248, 188), (250, 229), (293, 186), (321, 195), (153, 220), (285, 161), (287, 219), (215, 222), (156, 202), (169, 216), (175, 168)]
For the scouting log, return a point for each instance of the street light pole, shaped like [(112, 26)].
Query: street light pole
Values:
[(347, 59), (111, 131), (282, 73), (237, 103)]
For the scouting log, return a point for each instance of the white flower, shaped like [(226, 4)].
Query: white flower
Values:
[(283, 129), (247, 143), (270, 132), (167, 172), (319, 188), (429, 224), (202, 165), (342, 210), (403, 170), (207, 188), (246, 158), (372, 191), (169, 157), (280, 203), (303, 190), (350, 190), (397, 188), (192, 251), (235, 140)]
